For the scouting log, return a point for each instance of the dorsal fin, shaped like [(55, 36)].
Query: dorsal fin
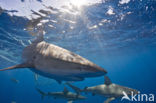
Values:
[(107, 80), (65, 91), (39, 37)]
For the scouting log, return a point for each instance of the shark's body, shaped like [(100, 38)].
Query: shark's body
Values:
[(57, 63), (108, 90), (69, 96)]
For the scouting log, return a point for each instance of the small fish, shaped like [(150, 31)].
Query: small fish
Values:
[(14, 80)]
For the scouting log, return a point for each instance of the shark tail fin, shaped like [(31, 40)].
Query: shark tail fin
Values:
[(23, 65), (76, 89), (43, 94)]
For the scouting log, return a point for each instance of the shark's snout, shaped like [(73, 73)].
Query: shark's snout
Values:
[(98, 71), (102, 71), (133, 91), (136, 91)]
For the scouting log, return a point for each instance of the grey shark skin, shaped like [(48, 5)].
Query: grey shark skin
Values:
[(57, 63), (69, 96), (108, 89)]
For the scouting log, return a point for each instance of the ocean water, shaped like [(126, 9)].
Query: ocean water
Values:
[(116, 35)]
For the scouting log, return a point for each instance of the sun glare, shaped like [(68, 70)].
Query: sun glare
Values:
[(78, 3)]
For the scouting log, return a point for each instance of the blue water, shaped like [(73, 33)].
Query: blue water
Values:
[(124, 43)]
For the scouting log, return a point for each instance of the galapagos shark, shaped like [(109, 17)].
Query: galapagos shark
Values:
[(14, 80), (69, 96), (109, 90), (56, 62)]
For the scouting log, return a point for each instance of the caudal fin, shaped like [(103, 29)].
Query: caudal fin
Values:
[(23, 65), (43, 94)]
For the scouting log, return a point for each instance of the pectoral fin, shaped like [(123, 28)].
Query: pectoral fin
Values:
[(22, 65), (109, 100), (76, 89), (42, 93)]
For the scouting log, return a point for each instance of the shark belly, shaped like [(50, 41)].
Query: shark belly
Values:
[(54, 68), (57, 77)]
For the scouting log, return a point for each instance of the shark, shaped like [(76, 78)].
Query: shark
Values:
[(65, 94), (55, 62), (14, 80), (109, 90)]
